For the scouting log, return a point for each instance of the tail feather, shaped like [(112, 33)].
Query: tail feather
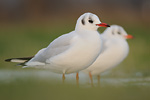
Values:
[(19, 60)]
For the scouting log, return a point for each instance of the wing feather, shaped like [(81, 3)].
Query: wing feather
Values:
[(56, 47)]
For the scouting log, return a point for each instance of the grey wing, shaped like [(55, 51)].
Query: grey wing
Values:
[(56, 47), (107, 43), (104, 41)]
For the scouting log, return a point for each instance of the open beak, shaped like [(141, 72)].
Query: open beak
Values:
[(103, 25), (129, 37)]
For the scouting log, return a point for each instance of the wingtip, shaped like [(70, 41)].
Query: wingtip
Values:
[(8, 60), (19, 60)]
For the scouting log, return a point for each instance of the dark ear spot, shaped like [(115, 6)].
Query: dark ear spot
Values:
[(83, 22), (119, 33), (113, 33)]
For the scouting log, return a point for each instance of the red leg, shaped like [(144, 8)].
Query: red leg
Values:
[(63, 77), (90, 75), (77, 78), (98, 79)]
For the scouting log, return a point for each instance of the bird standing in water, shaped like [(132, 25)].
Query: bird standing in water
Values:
[(70, 52), (115, 50)]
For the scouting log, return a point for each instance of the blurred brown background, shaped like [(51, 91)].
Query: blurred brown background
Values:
[(26, 26), (46, 11)]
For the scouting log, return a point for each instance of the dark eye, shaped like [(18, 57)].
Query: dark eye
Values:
[(119, 33), (90, 21)]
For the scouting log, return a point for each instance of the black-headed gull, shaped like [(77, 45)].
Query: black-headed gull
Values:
[(115, 50), (70, 52)]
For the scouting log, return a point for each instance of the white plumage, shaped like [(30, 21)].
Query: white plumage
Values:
[(115, 50), (73, 51)]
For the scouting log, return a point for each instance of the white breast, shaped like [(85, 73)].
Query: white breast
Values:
[(83, 53), (113, 55)]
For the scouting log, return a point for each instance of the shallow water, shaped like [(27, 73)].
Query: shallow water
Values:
[(44, 85), (9, 76)]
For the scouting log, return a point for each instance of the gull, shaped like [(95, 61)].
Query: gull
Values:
[(115, 50), (71, 52)]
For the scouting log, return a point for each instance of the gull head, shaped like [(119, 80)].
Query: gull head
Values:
[(89, 21), (116, 31)]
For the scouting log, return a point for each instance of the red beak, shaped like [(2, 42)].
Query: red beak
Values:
[(103, 25), (129, 37)]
